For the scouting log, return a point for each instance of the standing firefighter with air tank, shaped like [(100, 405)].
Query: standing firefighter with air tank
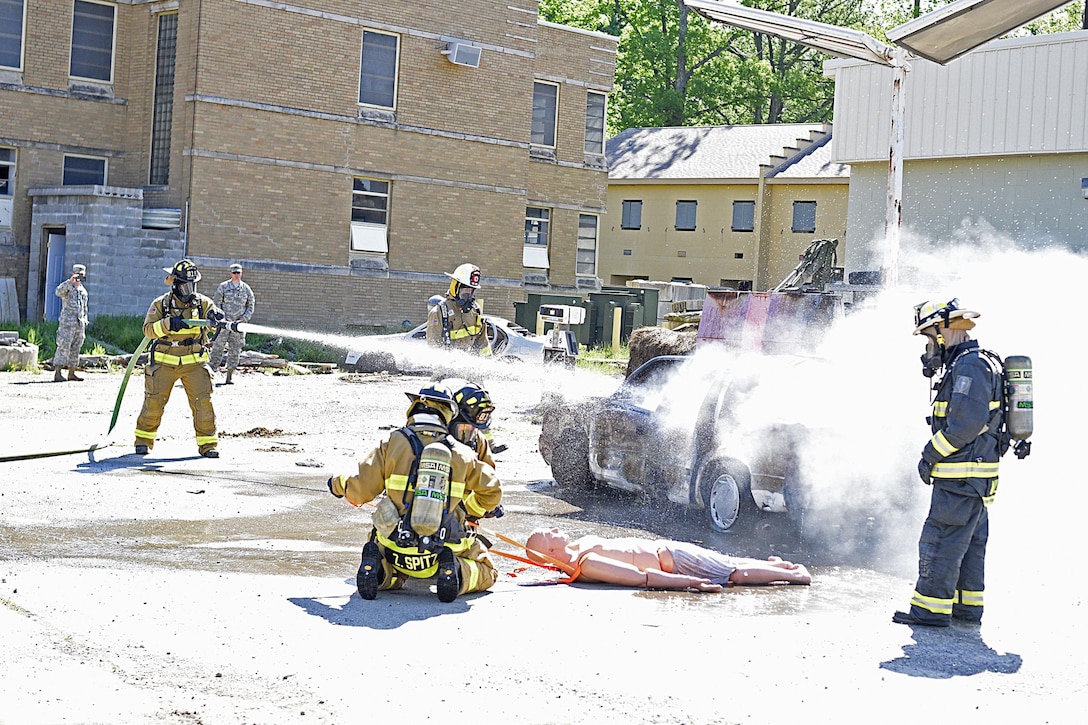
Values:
[(425, 475), (977, 412), (177, 324)]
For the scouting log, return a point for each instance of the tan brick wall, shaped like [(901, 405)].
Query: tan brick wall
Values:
[(782, 247), (266, 138)]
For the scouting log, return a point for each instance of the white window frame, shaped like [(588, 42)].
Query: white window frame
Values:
[(396, 70), (113, 43), (800, 214), (368, 236), (592, 121), (631, 208), (694, 214), (539, 117), (745, 204), (105, 168), (581, 246), (7, 192), (22, 41), (535, 254)]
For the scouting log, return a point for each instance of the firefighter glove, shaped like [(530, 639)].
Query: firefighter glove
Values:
[(177, 323), (925, 471), (495, 513), (334, 483), (215, 315)]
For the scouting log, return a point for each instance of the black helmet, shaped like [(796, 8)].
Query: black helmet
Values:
[(183, 276), (474, 405)]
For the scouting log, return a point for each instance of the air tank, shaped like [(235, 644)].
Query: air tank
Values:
[(1018, 379), (432, 489)]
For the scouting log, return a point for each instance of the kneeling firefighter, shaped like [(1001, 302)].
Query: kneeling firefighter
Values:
[(425, 475), (177, 324)]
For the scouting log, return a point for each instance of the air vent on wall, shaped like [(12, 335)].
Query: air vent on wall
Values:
[(462, 54)]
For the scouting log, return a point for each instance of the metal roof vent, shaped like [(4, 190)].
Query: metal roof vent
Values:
[(463, 54)]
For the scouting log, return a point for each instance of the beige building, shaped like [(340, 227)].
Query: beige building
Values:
[(723, 206), (996, 144), (347, 154)]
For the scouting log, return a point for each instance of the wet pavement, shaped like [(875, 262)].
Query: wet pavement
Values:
[(172, 588)]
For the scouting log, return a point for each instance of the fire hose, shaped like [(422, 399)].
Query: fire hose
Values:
[(106, 441)]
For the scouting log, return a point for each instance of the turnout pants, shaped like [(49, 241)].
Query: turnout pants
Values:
[(159, 379), (951, 559), (478, 572)]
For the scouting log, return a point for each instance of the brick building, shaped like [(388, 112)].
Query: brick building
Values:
[(346, 153)]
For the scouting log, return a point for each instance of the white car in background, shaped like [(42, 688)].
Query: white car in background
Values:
[(509, 340)]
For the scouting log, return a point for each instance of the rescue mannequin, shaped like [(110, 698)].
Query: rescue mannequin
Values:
[(658, 564)]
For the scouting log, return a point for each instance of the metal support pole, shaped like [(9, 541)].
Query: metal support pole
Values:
[(889, 270)]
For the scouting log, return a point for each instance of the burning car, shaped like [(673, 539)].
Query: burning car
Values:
[(667, 437)]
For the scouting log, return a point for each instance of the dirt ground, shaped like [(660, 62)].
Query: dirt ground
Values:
[(176, 589)]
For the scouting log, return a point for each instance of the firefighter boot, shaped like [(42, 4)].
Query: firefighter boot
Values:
[(72, 375), (58, 375), (370, 571), (449, 579)]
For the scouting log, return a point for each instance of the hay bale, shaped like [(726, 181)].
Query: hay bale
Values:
[(647, 343)]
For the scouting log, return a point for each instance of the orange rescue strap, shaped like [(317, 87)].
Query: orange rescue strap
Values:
[(572, 572)]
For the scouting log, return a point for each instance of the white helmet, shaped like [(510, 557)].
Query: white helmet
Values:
[(467, 274), (946, 314)]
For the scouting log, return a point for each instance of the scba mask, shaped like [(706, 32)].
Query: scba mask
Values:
[(933, 357), (184, 291)]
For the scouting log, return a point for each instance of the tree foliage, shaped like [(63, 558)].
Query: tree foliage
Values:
[(675, 68)]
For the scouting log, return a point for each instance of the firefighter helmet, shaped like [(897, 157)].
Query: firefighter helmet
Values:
[(946, 314), (474, 405), (466, 275), (183, 271), (436, 398)]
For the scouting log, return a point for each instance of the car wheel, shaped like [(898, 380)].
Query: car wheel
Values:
[(570, 459), (728, 498)]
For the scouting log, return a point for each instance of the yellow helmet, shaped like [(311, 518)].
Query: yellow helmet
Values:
[(946, 314), (436, 398)]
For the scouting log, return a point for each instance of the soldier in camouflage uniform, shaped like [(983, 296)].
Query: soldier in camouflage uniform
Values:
[(235, 298), (72, 329)]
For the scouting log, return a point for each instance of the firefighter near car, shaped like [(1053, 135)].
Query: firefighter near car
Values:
[(426, 476), (178, 323), (972, 425), (456, 322)]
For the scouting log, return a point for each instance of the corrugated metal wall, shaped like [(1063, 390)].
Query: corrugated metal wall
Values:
[(1016, 96)]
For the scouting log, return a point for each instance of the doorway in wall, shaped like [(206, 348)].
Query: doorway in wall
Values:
[(53, 271)]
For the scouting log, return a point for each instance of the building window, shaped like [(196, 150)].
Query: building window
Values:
[(370, 216), (744, 216), (7, 183), (84, 171), (7, 171), (631, 218), (92, 41), (535, 252), (378, 70), (586, 263), (804, 216), (545, 110), (685, 215), (595, 105), (12, 14), (163, 112)]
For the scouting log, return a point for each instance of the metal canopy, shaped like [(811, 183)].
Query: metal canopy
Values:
[(950, 31), (843, 42)]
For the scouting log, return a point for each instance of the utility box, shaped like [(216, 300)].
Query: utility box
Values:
[(525, 313), (638, 308), (562, 345)]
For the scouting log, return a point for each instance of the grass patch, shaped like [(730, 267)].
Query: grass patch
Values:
[(605, 359), (294, 350)]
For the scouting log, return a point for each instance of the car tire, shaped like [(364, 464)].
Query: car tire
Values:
[(727, 494), (570, 459)]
